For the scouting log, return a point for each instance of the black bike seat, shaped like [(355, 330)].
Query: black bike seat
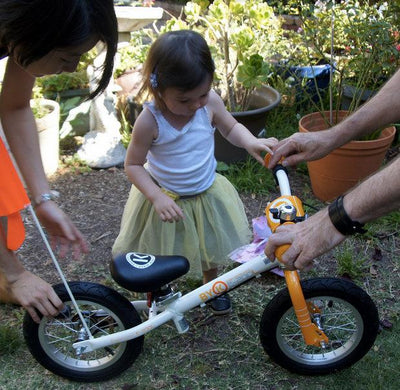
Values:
[(142, 272)]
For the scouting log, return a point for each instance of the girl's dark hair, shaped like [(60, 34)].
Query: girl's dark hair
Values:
[(177, 59), (37, 27)]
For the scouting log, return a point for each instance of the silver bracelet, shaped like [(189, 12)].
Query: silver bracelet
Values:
[(45, 197)]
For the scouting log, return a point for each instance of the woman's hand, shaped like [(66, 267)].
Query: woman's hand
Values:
[(63, 233), (33, 294)]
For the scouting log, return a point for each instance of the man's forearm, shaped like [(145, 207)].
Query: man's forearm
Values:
[(376, 196), (383, 109)]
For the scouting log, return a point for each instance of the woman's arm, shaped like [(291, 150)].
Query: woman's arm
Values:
[(20, 129)]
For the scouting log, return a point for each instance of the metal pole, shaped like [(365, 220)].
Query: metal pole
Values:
[(57, 265)]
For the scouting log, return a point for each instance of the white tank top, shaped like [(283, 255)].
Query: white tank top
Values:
[(183, 160)]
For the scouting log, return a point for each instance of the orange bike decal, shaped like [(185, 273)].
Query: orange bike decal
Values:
[(217, 288)]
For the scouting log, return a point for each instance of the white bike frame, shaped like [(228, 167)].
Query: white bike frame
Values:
[(175, 307)]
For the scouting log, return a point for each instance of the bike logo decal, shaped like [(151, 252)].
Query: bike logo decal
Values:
[(140, 260), (219, 287)]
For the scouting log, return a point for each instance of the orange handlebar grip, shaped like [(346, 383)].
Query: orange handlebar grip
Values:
[(267, 157), (281, 250)]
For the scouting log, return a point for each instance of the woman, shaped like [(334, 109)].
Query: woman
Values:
[(43, 37)]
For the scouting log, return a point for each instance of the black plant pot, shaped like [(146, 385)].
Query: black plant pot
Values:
[(352, 94), (134, 110), (255, 119)]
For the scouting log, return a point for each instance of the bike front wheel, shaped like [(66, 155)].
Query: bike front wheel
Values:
[(105, 312), (340, 308)]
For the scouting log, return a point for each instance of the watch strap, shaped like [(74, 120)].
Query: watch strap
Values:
[(341, 220)]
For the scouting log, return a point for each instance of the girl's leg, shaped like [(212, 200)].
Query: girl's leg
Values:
[(210, 275), (222, 304)]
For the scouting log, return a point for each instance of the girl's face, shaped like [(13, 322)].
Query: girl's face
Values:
[(186, 103), (60, 60)]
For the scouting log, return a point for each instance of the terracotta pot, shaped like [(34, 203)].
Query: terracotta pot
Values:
[(346, 166)]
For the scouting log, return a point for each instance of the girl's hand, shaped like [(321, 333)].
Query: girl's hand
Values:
[(167, 209), (259, 146), (61, 230)]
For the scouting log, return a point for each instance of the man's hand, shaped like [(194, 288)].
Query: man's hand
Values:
[(308, 240), (301, 147)]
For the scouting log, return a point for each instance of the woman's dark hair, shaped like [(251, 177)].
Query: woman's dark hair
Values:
[(177, 59), (37, 27)]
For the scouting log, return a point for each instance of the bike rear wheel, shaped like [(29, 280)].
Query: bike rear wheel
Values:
[(345, 313), (105, 312)]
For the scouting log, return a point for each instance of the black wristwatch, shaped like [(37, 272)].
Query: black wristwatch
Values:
[(341, 220)]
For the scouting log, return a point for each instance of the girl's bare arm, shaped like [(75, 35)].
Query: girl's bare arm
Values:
[(235, 132), (143, 134)]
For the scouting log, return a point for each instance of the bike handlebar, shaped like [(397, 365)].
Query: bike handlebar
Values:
[(286, 209)]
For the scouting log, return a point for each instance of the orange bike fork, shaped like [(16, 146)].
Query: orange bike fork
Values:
[(311, 333)]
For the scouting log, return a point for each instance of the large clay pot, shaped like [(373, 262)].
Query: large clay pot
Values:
[(346, 166), (262, 101)]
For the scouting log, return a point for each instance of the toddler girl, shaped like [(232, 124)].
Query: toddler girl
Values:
[(178, 204)]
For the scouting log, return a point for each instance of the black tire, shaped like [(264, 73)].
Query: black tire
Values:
[(106, 312), (349, 318)]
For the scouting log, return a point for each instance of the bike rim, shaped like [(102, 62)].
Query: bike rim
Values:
[(56, 336), (341, 322)]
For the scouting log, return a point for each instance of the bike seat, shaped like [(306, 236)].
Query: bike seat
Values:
[(142, 272)]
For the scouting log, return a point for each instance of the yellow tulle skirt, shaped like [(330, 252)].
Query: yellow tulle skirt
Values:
[(215, 223)]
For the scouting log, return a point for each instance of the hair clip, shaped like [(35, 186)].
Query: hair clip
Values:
[(153, 80)]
